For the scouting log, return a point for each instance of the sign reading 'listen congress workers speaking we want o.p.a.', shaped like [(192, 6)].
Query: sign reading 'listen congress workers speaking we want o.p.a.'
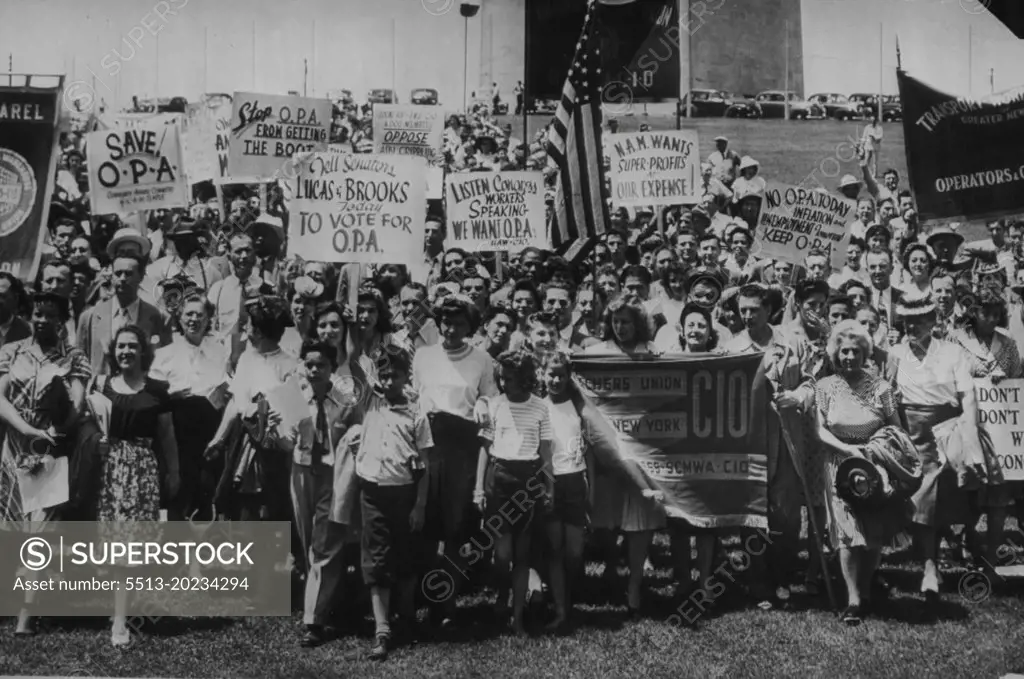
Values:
[(498, 211), (362, 208)]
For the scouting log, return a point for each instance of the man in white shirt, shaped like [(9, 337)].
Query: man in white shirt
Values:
[(724, 161), (227, 295), (865, 217), (755, 309)]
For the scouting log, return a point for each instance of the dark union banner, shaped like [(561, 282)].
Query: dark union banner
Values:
[(28, 125), (965, 156), (639, 43)]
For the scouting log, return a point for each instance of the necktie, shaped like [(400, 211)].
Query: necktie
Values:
[(321, 438)]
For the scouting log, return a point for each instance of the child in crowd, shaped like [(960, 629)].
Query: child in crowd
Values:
[(390, 467), (569, 516), (514, 474)]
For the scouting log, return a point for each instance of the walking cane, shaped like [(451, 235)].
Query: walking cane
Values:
[(810, 510)]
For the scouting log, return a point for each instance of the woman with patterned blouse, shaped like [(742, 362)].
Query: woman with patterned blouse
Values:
[(37, 375), (851, 406)]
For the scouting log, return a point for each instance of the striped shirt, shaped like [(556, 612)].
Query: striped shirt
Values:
[(516, 430)]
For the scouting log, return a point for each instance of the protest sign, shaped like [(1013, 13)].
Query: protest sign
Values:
[(357, 208), (692, 426), (409, 131), (500, 211), (266, 130), (655, 168), (136, 168), (963, 155), (999, 413), (29, 119), (795, 220)]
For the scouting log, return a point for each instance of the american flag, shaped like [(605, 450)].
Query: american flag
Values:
[(574, 145)]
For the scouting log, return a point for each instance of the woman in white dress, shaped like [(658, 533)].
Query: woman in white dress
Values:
[(635, 512)]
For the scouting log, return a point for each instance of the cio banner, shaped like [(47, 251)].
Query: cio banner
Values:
[(177, 568), (1000, 414), (136, 168), (268, 129), (795, 220), (357, 208), (498, 211), (964, 155), (691, 426), (28, 145)]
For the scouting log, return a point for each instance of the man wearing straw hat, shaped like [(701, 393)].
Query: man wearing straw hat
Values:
[(724, 161)]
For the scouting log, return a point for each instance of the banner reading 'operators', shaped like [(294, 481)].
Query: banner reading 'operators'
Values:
[(357, 208), (499, 211), (654, 168), (691, 426), (965, 156)]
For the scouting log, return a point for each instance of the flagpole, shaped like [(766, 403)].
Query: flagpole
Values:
[(206, 59), (786, 86), (526, 79), (970, 59), (254, 55), (312, 78), (394, 58), (156, 94), (881, 67)]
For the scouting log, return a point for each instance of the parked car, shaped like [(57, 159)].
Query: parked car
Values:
[(424, 97), (892, 108), (773, 105), (836, 105), (716, 104), (381, 96), (744, 106)]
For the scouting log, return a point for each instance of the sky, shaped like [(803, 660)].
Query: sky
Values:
[(207, 45)]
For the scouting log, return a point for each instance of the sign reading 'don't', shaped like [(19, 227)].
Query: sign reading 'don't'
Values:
[(363, 208), (136, 168), (268, 129), (999, 413)]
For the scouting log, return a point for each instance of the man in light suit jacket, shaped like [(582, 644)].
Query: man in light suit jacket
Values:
[(97, 324)]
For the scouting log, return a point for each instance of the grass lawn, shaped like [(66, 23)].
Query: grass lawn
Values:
[(974, 634), (812, 153)]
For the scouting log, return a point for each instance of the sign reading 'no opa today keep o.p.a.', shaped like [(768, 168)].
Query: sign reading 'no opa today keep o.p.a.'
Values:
[(795, 220)]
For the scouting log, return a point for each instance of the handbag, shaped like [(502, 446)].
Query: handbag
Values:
[(91, 446)]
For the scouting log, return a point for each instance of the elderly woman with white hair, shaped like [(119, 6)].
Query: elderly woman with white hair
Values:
[(852, 405)]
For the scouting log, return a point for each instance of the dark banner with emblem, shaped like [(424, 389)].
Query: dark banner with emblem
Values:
[(965, 157), (28, 141), (639, 43)]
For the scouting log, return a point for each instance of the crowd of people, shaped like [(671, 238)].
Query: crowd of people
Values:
[(440, 392)]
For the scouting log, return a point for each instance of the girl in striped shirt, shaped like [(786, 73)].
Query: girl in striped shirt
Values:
[(514, 474)]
